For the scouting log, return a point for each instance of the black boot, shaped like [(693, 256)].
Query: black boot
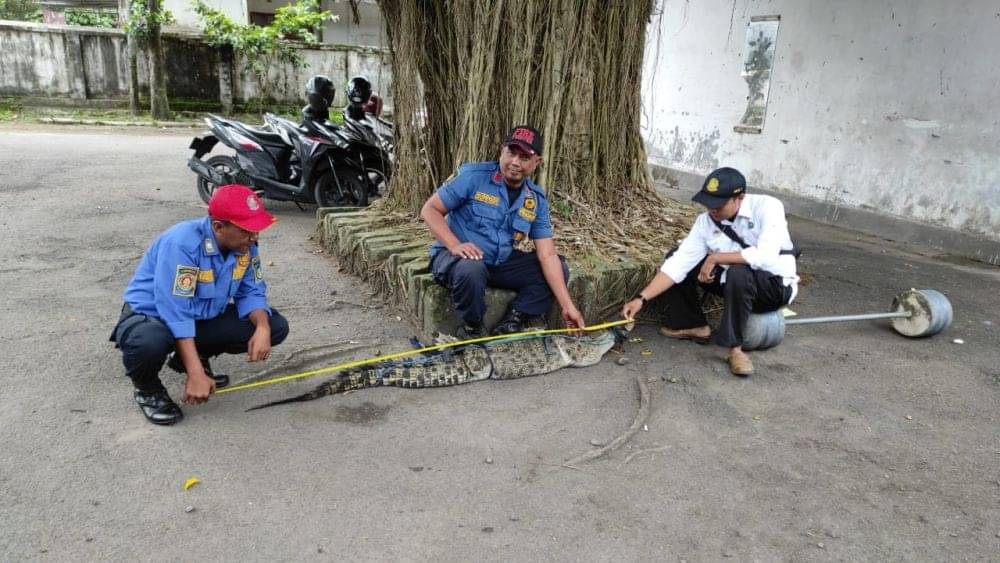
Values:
[(175, 363), (516, 321), (473, 330), (158, 407), (512, 322)]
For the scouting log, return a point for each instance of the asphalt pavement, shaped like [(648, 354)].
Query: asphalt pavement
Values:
[(849, 443)]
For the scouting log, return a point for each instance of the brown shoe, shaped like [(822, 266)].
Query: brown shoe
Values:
[(700, 334), (740, 364)]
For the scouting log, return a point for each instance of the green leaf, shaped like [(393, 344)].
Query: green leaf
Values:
[(262, 46)]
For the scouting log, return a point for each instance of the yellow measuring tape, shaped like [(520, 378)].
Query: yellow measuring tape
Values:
[(405, 353)]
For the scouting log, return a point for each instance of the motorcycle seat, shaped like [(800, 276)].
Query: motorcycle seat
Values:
[(264, 135)]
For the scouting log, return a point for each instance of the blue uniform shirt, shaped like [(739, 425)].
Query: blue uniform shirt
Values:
[(479, 211), (183, 278)]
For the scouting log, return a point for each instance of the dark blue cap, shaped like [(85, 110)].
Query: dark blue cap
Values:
[(720, 186)]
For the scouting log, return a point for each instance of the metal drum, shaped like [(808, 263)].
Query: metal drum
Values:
[(763, 330), (929, 313), (915, 313)]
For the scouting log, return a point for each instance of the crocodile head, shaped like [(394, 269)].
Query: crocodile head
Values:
[(587, 350)]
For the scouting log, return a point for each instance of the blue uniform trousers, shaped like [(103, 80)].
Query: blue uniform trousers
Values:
[(146, 342), (468, 280)]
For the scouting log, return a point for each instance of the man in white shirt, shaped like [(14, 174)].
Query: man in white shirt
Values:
[(739, 249)]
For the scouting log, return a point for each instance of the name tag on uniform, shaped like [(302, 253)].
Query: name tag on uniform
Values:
[(206, 276), (487, 198), (529, 215)]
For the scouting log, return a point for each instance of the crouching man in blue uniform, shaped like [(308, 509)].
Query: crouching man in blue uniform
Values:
[(491, 206), (198, 292)]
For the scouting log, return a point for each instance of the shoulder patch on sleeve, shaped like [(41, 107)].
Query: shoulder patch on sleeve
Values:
[(258, 272), (185, 281)]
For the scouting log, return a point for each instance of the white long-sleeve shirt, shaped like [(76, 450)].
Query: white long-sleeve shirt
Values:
[(761, 222)]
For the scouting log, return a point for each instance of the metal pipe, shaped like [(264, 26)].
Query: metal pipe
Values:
[(844, 318)]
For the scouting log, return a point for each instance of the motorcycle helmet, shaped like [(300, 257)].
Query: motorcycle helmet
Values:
[(359, 90), (319, 93)]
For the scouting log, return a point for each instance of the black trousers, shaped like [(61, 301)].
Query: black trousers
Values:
[(468, 280), (746, 291), (146, 341)]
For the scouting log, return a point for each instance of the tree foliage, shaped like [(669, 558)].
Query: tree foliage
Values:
[(91, 17), (20, 10), (31, 11), (142, 25), (263, 47), (141, 20)]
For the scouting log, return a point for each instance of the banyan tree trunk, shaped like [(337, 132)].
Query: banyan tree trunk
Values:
[(465, 71), (158, 104)]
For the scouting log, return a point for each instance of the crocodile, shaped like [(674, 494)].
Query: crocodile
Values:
[(499, 359)]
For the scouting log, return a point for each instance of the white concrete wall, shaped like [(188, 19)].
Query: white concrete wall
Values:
[(368, 32), (187, 20), (36, 59), (79, 63), (884, 106), (337, 63)]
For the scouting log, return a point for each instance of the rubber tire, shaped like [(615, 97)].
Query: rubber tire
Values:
[(219, 161), (383, 175), (321, 195)]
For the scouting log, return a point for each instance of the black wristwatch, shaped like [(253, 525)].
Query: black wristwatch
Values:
[(640, 298)]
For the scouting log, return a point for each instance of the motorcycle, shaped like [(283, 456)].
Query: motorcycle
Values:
[(355, 181), (369, 114), (281, 162), (371, 149)]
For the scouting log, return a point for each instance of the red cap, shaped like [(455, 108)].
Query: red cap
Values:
[(240, 206)]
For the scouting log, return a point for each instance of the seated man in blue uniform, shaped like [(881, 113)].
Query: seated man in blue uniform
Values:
[(477, 217), (198, 292)]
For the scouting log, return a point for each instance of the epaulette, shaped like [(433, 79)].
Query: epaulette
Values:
[(538, 190), (487, 166)]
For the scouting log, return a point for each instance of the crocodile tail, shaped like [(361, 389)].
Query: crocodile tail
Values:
[(348, 380), (321, 391)]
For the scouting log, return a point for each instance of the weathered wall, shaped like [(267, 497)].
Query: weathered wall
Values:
[(58, 61), (185, 20), (35, 60), (888, 107), (79, 63), (369, 31), (338, 63)]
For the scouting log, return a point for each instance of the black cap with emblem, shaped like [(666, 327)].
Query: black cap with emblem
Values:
[(719, 186), (527, 138)]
